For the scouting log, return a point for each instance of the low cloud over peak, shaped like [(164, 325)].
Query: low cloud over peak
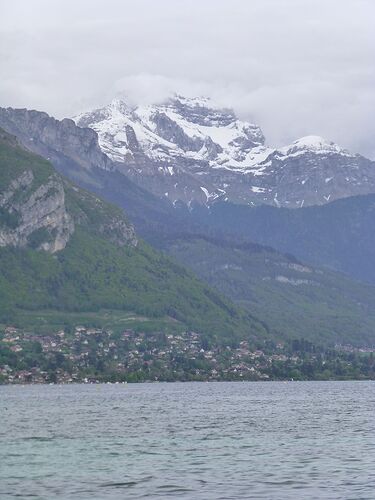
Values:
[(296, 67)]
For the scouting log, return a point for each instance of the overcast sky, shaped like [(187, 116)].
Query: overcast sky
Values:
[(296, 67)]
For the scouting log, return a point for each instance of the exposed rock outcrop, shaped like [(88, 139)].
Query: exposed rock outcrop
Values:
[(44, 135), (40, 209), (37, 218)]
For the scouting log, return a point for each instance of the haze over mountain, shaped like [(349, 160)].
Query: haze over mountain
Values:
[(291, 66), (339, 235)]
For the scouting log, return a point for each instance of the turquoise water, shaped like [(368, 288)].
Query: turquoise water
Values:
[(225, 440)]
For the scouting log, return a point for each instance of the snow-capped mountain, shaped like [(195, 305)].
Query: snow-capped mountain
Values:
[(189, 150)]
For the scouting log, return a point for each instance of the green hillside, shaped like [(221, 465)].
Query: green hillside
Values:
[(102, 265), (339, 235), (297, 301)]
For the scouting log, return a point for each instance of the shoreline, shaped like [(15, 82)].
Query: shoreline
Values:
[(149, 382)]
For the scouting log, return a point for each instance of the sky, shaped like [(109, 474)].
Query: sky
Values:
[(295, 67)]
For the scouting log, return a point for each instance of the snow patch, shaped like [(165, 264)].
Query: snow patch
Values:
[(205, 192), (257, 189)]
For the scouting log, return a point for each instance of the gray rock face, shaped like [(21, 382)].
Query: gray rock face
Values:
[(42, 210), (119, 232), (199, 112), (44, 135), (172, 132), (309, 177), (131, 139), (38, 216)]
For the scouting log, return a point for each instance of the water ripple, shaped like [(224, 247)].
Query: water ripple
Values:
[(313, 440)]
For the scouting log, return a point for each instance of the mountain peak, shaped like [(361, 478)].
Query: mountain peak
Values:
[(189, 149), (199, 101), (191, 127), (120, 104), (314, 143)]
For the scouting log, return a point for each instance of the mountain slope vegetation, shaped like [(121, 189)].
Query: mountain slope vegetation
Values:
[(336, 236), (99, 264), (299, 301)]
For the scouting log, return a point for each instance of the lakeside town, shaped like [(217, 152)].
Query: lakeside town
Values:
[(94, 355)]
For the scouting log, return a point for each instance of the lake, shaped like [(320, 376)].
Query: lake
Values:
[(272, 440)]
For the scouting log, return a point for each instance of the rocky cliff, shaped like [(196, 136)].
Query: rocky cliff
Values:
[(39, 209), (45, 135), (42, 219), (32, 207)]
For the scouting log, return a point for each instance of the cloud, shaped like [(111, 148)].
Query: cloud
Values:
[(296, 67)]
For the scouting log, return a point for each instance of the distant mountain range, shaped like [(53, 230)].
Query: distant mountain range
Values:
[(189, 150), (294, 299), (339, 236), (214, 237)]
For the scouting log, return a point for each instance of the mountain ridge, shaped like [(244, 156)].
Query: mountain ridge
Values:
[(337, 236), (187, 150)]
